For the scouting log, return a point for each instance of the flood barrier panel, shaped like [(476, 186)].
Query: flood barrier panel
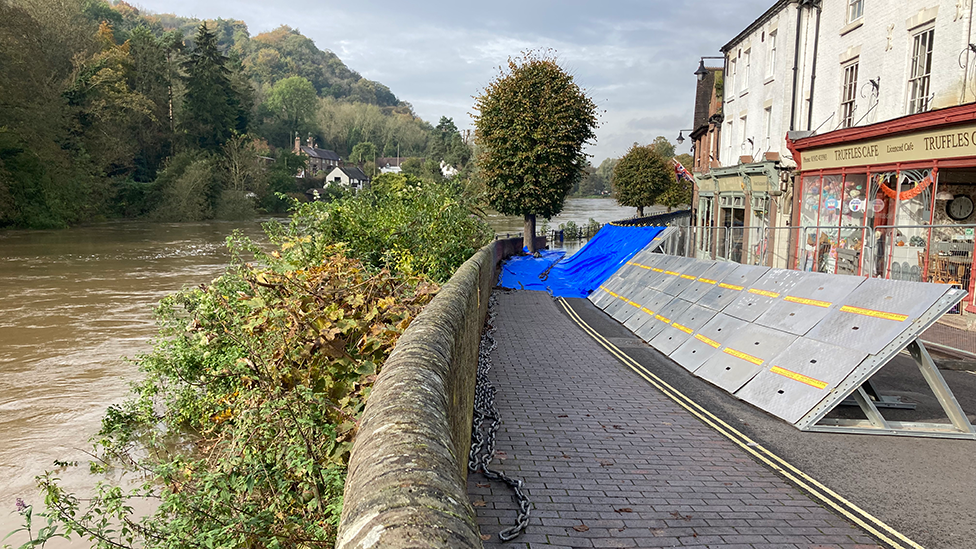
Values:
[(795, 344)]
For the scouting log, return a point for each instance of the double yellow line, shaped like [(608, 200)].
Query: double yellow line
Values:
[(805, 482)]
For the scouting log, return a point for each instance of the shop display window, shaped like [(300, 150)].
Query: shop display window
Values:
[(852, 232)]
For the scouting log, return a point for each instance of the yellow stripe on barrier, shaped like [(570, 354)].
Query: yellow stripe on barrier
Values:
[(799, 377), (730, 287), (876, 314), (663, 319), (739, 354), (689, 277), (763, 292), (656, 270), (634, 304), (646, 310), (805, 301), (672, 273), (684, 329), (707, 341), (708, 281)]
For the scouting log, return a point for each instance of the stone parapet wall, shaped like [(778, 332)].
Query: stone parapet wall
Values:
[(407, 471)]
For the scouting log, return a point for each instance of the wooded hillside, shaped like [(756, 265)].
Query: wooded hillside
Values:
[(106, 112)]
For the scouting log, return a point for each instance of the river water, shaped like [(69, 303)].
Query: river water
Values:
[(75, 303)]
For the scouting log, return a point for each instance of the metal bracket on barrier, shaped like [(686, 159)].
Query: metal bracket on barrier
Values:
[(880, 400), (959, 425)]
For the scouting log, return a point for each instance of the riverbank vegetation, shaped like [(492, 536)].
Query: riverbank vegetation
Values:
[(109, 112), (251, 397)]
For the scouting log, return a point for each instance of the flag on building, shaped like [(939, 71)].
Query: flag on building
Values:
[(681, 173)]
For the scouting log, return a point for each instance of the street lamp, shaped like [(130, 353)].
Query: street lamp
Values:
[(681, 137), (702, 72)]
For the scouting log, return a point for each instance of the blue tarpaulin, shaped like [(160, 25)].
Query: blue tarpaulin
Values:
[(582, 272)]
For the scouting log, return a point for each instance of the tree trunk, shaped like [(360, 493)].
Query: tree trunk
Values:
[(528, 234), (640, 211)]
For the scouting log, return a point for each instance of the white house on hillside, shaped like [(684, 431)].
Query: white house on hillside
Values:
[(350, 177)]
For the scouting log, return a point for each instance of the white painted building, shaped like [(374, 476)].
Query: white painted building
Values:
[(878, 174), (763, 98), (880, 60)]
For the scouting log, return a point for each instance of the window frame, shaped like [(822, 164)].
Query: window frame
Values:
[(920, 83), (848, 93), (747, 56), (768, 126), (734, 82), (852, 7), (744, 121), (771, 55)]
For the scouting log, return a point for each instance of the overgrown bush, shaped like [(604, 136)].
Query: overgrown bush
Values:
[(246, 416), (250, 401), (408, 225)]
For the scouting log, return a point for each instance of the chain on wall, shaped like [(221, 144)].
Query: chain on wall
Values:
[(485, 426)]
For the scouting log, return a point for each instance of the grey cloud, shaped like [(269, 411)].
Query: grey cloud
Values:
[(636, 57)]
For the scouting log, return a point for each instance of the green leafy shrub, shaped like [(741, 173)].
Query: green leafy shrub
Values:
[(247, 413), (408, 225), (251, 398)]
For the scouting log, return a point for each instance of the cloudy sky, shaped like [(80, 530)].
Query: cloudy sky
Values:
[(635, 58)]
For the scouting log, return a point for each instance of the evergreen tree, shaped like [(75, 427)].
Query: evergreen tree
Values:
[(213, 109)]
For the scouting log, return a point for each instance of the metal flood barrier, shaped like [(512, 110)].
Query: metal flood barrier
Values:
[(795, 344)]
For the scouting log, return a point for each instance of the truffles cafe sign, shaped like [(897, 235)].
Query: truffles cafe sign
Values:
[(950, 143)]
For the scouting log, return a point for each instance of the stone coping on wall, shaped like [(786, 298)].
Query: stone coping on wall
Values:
[(405, 485)]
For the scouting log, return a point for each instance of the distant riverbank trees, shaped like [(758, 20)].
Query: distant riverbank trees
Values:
[(645, 176)]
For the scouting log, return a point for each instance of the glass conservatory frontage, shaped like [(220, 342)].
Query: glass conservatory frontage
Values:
[(892, 200)]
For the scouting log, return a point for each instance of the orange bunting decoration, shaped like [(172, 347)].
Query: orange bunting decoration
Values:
[(910, 193)]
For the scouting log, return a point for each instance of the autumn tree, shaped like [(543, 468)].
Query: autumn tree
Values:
[(641, 177), (531, 124)]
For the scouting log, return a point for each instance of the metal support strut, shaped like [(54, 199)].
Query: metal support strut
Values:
[(959, 425)]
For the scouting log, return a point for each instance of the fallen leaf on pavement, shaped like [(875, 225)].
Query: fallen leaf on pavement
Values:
[(485, 537), (480, 485), (480, 503), (581, 528), (624, 510)]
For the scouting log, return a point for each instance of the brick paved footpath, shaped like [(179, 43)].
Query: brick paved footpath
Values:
[(602, 451)]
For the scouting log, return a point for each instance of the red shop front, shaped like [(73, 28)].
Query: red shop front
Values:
[(894, 200)]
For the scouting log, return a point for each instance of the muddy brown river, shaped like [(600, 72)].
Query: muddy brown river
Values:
[(75, 303)]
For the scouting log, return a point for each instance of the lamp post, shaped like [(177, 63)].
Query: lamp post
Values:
[(681, 137), (702, 72)]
